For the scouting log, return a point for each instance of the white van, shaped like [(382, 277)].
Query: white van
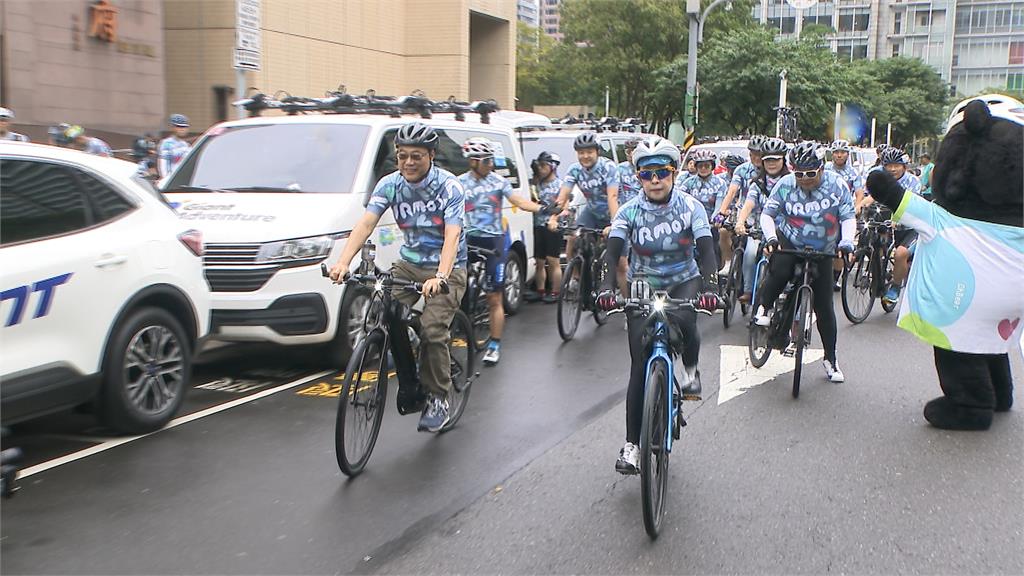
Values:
[(276, 196)]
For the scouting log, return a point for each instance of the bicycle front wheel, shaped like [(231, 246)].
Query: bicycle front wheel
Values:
[(569, 302), (463, 363), (654, 454), (599, 268), (361, 404), (802, 325), (857, 296)]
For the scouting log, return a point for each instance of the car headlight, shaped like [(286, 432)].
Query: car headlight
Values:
[(297, 249)]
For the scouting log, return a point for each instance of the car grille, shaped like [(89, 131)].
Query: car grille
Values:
[(233, 268)]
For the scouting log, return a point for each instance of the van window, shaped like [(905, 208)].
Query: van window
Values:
[(275, 158), (449, 154)]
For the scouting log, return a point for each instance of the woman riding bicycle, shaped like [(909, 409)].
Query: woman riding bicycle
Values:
[(773, 168), (663, 227), (815, 211)]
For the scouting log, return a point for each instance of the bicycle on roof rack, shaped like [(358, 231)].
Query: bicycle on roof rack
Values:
[(340, 102)]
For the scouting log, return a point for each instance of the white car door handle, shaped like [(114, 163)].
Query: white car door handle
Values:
[(111, 260)]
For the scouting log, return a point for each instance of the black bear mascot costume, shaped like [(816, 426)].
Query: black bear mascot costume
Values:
[(965, 294)]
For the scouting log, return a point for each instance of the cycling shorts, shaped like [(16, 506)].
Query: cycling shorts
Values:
[(495, 279)]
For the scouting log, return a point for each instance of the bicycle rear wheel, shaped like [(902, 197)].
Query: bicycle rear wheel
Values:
[(463, 363), (802, 324), (858, 297), (569, 302), (653, 447), (361, 404), (599, 268)]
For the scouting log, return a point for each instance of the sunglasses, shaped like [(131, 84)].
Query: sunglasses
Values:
[(661, 172), (806, 173)]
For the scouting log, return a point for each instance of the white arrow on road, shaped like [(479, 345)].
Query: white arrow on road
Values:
[(737, 375)]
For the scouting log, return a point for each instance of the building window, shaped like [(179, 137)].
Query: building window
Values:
[(1016, 53), (897, 27), (1015, 82)]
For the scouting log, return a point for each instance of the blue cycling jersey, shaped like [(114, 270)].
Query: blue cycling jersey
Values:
[(709, 191), (629, 184), (422, 211), (547, 193), (594, 183), (484, 199), (810, 219), (662, 238)]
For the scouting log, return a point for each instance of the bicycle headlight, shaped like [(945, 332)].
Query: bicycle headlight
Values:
[(297, 249)]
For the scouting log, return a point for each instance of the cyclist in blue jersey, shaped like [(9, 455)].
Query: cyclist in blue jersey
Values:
[(429, 206), (598, 179), (485, 193), (547, 242), (6, 115), (172, 150), (708, 189), (895, 161), (773, 168), (77, 138), (815, 211), (663, 226)]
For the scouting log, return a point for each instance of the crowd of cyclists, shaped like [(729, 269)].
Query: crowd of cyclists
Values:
[(667, 219), (155, 158)]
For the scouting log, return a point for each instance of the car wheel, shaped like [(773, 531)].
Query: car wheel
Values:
[(513, 296), (147, 367), (350, 326)]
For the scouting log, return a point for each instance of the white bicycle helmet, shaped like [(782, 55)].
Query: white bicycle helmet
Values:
[(998, 105), (477, 148), (656, 146)]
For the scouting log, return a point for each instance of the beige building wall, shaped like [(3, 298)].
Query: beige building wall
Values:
[(53, 71), (310, 46)]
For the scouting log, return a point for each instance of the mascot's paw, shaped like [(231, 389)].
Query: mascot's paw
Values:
[(884, 188), (945, 414)]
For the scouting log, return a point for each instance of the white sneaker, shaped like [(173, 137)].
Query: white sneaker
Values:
[(629, 459), (761, 317), (833, 372)]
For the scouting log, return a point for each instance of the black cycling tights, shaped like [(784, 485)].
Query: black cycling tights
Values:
[(780, 271), (686, 321)]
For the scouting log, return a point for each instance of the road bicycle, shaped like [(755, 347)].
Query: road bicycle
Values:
[(870, 275), (581, 281), (789, 330), (392, 340)]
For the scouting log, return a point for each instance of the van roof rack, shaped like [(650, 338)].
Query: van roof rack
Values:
[(591, 122), (340, 102)]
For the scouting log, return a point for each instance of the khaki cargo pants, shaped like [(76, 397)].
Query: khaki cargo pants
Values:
[(438, 311)]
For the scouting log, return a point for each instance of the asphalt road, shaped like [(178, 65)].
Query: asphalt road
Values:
[(848, 478)]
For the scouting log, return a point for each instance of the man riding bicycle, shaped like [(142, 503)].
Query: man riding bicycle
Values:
[(663, 226), (815, 210), (485, 192), (429, 206)]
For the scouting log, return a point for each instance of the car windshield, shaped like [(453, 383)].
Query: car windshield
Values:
[(274, 158)]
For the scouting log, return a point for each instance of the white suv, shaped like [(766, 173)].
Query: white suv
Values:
[(102, 295)]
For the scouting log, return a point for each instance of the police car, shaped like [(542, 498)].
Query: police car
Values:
[(102, 296), (277, 195)]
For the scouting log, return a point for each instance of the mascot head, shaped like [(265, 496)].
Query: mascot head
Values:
[(979, 170)]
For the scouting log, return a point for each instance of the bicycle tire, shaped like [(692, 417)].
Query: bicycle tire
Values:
[(599, 268), (462, 352), (569, 303), (369, 356), (857, 282), (804, 308), (887, 272), (733, 286), (654, 430), (758, 346)]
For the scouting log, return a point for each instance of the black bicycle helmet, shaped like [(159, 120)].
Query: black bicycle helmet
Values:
[(733, 161), (416, 134), (585, 140), (549, 158), (893, 155), (704, 155), (756, 141), (774, 147), (805, 156)]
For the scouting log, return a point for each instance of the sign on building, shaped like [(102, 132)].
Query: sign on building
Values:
[(248, 41)]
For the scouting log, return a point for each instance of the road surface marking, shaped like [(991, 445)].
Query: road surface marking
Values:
[(736, 375), (173, 423)]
